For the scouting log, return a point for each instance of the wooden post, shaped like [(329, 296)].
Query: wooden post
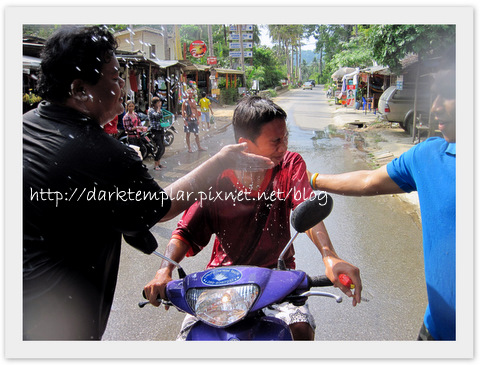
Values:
[(417, 76)]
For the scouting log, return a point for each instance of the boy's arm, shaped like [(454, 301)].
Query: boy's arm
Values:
[(334, 266), (176, 250)]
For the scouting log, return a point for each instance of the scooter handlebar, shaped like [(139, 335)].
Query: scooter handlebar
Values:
[(320, 280)]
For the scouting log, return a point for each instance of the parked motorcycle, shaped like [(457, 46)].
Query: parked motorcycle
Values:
[(228, 301), (147, 145), (168, 128)]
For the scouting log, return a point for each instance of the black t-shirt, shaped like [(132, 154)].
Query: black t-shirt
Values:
[(82, 190)]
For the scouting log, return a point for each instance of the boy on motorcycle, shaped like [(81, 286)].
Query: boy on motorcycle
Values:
[(250, 217)]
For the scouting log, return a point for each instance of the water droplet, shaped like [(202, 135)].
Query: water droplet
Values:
[(72, 137)]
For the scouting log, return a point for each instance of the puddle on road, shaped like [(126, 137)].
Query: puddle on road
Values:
[(348, 135)]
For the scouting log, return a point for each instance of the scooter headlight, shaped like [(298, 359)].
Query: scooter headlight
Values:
[(221, 307)]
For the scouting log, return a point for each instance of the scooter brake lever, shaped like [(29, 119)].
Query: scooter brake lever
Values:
[(161, 301), (322, 294)]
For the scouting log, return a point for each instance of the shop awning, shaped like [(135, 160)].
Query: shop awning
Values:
[(381, 70), (337, 75), (138, 57), (30, 62), (164, 63), (188, 66), (351, 75), (228, 71)]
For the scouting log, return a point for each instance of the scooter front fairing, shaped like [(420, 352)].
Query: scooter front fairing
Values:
[(273, 285), (250, 329)]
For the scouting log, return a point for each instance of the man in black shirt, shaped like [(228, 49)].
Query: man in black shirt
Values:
[(83, 190)]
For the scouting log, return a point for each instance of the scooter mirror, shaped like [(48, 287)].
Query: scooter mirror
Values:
[(311, 212)]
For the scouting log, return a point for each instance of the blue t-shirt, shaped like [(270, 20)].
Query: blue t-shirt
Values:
[(429, 168)]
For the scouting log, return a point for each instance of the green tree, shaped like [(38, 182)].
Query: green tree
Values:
[(288, 38), (266, 68), (391, 43)]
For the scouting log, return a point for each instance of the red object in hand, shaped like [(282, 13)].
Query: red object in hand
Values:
[(345, 280)]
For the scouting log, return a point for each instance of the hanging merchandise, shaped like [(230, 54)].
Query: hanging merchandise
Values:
[(162, 85), (144, 81), (127, 84), (133, 81)]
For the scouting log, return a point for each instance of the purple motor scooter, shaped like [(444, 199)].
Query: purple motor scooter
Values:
[(228, 301)]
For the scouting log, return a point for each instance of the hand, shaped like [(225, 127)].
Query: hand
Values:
[(334, 267), (156, 287), (234, 157)]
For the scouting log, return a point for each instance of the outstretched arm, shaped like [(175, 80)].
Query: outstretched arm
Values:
[(358, 183), (194, 185), (334, 266)]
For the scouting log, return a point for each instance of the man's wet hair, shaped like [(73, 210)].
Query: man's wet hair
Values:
[(73, 53), (252, 113)]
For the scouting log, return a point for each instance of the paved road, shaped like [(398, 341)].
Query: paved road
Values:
[(373, 233)]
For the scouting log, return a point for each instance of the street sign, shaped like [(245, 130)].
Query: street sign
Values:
[(236, 45), (400, 82), (245, 27), (211, 60), (237, 54), (245, 36)]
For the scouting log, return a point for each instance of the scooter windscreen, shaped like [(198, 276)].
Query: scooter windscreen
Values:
[(312, 211)]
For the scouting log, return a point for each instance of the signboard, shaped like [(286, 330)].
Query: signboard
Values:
[(245, 27), (238, 54), (198, 49), (351, 94), (237, 45), (400, 82), (245, 36), (211, 60)]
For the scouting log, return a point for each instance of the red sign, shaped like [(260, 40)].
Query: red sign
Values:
[(211, 60), (198, 49)]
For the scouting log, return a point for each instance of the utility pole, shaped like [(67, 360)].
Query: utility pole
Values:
[(242, 56), (210, 41)]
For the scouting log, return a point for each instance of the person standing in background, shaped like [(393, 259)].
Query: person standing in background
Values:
[(155, 116), (205, 109)]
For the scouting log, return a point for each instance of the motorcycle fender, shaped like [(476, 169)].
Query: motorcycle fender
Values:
[(252, 329)]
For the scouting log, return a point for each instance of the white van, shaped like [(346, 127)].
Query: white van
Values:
[(398, 105)]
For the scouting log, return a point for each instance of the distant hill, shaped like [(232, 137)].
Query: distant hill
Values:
[(308, 56)]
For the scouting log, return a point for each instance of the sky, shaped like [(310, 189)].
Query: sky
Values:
[(309, 44)]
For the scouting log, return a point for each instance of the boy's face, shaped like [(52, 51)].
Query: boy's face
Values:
[(272, 141)]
